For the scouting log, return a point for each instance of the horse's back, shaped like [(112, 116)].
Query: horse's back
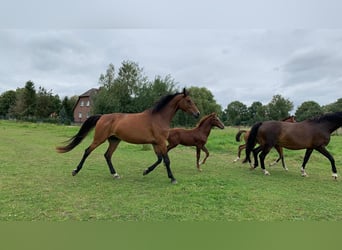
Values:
[(299, 135), (134, 128)]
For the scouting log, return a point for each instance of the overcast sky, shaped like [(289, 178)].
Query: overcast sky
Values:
[(246, 62)]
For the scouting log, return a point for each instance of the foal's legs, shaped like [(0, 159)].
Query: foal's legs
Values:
[(241, 147), (113, 144), (205, 150), (325, 152), (308, 153)]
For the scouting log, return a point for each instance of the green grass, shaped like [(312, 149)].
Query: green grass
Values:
[(36, 182)]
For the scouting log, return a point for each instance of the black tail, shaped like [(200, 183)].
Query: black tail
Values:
[(237, 137), (88, 125), (251, 141)]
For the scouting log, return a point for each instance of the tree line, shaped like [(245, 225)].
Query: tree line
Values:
[(129, 90)]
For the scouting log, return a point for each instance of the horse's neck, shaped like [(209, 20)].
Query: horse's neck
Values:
[(168, 112), (205, 127), (332, 126)]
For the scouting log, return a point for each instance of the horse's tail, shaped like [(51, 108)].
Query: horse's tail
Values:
[(238, 135), (251, 141), (88, 125)]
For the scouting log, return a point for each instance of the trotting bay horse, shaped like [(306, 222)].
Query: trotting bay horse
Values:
[(197, 136), (309, 134), (148, 127), (245, 138)]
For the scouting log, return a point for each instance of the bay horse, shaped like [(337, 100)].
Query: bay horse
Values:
[(197, 136), (311, 134), (245, 138), (148, 127)]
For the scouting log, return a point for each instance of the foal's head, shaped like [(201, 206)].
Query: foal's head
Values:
[(215, 121)]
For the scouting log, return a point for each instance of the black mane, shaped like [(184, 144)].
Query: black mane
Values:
[(163, 102), (333, 117)]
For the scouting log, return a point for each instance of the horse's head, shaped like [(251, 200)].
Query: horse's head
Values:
[(187, 105), (215, 121)]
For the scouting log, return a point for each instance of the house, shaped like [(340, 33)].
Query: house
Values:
[(83, 105)]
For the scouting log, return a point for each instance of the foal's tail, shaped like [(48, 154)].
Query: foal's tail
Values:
[(251, 141), (88, 125), (238, 135)]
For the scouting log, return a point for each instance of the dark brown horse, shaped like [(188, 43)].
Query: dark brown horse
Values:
[(279, 150), (148, 127), (197, 136), (309, 134)]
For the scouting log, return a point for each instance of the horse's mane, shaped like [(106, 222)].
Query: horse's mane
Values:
[(204, 118), (163, 102), (290, 116), (336, 116)]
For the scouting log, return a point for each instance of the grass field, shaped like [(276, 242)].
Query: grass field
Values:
[(36, 182)]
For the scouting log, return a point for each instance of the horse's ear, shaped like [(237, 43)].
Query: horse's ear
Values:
[(185, 92)]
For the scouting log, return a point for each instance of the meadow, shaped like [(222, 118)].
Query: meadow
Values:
[(36, 182)]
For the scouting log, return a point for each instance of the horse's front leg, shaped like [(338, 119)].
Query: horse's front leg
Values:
[(154, 165), (205, 150), (168, 168), (308, 153), (198, 156)]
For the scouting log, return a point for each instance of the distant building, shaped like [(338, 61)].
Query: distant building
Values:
[(83, 105)]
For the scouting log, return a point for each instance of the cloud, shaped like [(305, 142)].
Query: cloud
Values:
[(244, 64)]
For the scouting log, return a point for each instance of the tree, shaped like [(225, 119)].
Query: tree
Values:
[(116, 94), (66, 115), (46, 103), (204, 101), (7, 100), (25, 103), (279, 108), (237, 113), (256, 113), (307, 110), (333, 107)]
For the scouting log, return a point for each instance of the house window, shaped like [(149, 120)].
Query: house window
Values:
[(88, 103), (88, 114), (82, 103), (80, 115)]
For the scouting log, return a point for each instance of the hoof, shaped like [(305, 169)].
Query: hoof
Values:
[(174, 181), (199, 169), (145, 172), (116, 176), (266, 172), (334, 176), (238, 158), (74, 172), (304, 174)]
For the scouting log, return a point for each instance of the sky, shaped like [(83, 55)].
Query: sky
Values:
[(239, 52)]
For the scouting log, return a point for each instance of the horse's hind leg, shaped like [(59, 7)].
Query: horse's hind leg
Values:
[(113, 144), (241, 147), (85, 156), (262, 157), (256, 151), (308, 153)]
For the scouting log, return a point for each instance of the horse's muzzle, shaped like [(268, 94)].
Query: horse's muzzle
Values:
[(196, 115)]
